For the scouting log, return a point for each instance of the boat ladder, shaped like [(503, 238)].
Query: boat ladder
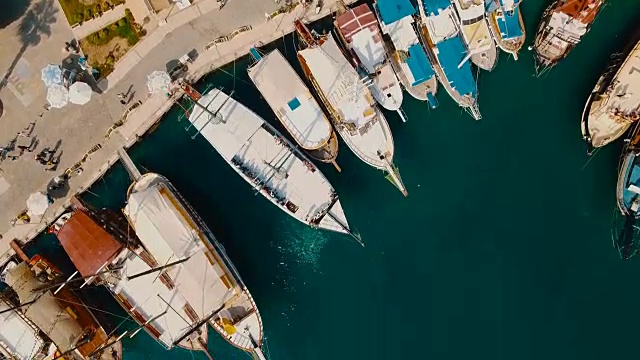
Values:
[(402, 114)]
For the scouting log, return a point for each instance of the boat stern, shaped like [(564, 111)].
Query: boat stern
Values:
[(240, 323)]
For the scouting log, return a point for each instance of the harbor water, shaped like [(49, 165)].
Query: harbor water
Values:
[(501, 251)]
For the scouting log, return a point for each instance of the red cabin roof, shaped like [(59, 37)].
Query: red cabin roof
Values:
[(88, 245)]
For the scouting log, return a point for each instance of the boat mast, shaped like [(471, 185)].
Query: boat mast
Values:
[(214, 115), (159, 268)]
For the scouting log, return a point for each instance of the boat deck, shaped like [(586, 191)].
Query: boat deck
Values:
[(410, 60), (60, 317), (290, 99), (240, 323), (359, 27), (169, 233), (441, 24), (18, 339), (508, 21), (361, 125), (149, 297), (613, 111), (268, 161), (584, 11), (566, 25), (631, 184)]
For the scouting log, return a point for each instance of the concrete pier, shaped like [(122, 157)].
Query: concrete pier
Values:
[(136, 122)]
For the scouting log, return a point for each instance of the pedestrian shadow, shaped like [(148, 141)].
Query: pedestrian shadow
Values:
[(35, 24), (56, 147)]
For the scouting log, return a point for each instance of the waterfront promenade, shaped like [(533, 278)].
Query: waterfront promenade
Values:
[(82, 128)]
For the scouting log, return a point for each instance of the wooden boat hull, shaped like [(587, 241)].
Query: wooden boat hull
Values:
[(510, 46)]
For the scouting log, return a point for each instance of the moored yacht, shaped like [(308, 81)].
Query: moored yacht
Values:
[(105, 250), (293, 104), (563, 25), (448, 53), (359, 122), (267, 161), (205, 284), (614, 103), (59, 314), (476, 33), (409, 59), (507, 26), (358, 30)]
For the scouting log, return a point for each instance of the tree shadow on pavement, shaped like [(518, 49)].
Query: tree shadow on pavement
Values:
[(35, 24)]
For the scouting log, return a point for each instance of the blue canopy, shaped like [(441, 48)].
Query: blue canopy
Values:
[(433, 7), (394, 10), (451, 52), (419, 64), (510, 25)]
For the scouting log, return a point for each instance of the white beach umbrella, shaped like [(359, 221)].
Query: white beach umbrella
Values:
[(80, 93), (37, 204), (57, 96), (51, 75), (158, 81)]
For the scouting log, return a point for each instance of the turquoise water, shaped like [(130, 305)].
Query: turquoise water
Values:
[(501, 251)]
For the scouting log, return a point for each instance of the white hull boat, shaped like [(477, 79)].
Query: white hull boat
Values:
[(266, 160), (199, 283), (294, 105), (359, 122)]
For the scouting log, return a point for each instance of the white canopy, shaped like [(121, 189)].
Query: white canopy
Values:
[(57, 96), (37, 204), (17, 337), (80, 93), (158, 81), (169, 233)]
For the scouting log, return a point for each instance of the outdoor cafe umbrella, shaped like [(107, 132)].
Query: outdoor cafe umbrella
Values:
[(158, 81), (80, 93), (51, 75), (57, 96), (37, 204)]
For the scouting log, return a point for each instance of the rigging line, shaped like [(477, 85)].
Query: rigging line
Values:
[(93, 308), (590, 158), (228, 73)]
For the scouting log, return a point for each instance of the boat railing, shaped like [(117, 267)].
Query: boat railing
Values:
[(261, 184)]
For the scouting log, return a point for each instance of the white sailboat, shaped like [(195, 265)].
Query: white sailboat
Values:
[(359, 122), (409, 59), (293, 104), (197, 281), (476, 33), (358, 30), (268, 162)]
